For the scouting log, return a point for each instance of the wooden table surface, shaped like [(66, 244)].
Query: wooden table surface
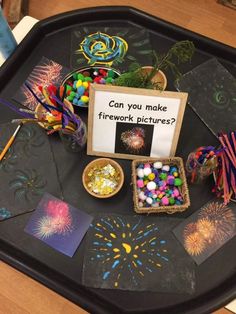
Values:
[(20, 294)]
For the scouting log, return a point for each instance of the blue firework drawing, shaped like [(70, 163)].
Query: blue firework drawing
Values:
[(9, 160), (109, 46), (4, 213), (27, 184), (28, 140), (125, 251)]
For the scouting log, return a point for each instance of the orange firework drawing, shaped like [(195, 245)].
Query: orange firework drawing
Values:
[(189, 229), (194, 243), (223, 219), (206, 229)]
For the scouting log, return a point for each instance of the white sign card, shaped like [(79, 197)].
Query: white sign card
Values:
[(128, 122)]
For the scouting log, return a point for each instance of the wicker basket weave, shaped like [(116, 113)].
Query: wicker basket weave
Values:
[(172, 161)]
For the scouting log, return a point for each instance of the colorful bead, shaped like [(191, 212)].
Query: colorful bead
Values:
[(149, 200), (166, 168), (147, 171), (151, 185), (165, 201), (140, 184), (157, 165), (178, 182), (140, 173), (151, 176)]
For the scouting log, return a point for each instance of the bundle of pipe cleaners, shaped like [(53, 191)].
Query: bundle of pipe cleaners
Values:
[(221, 162), (225, 174), (202, 162), (56, 116)]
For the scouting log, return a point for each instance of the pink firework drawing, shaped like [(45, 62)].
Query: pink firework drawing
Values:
[(134, 139), (57, 208), (57, 220), (58, 224), (44, 74)]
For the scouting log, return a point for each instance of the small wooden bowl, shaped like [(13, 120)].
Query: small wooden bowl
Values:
[(102, 162), (40, 112)]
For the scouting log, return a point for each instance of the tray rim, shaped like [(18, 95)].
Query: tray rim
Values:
[(220, 295)]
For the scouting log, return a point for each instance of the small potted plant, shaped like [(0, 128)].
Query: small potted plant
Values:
[(152, 77)]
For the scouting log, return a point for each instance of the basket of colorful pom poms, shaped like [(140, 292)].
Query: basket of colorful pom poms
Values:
[(159, 185), (77, 83)]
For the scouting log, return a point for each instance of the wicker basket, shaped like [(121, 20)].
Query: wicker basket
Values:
[(172, 161), (102, 162)]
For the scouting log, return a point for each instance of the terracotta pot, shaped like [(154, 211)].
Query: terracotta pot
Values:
[(159, 78)]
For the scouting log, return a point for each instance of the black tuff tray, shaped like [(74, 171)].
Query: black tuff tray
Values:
[(216, 277)]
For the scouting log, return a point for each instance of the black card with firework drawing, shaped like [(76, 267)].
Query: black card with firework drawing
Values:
[(208, 229), (26, 171), (111, 46), (46, 72), (212, 95), (137, 254)]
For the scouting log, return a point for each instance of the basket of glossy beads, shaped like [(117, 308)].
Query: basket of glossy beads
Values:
[(159, 185)]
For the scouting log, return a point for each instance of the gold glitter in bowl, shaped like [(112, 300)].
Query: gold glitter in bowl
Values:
[(103, 178)]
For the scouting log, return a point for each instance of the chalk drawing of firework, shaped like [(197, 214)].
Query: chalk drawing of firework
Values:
[(119, 247)]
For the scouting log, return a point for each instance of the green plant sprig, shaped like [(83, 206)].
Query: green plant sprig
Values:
[(180, 52)]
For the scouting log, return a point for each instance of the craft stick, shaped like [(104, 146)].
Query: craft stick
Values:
[(9, 143)]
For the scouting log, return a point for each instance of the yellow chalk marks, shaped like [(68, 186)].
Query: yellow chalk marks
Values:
[(164, 251), (136, 247), (143, 243), (144, 251), (116, 284), (135, 256), (128, 225), (152, 239), (116, 250), (113, 235), (123, 235), (117, 256), (98, 235), (158, 265), (108, 240), (141, 231), (135, 265), (127, 247), (141, 273)]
